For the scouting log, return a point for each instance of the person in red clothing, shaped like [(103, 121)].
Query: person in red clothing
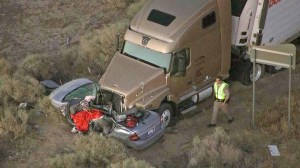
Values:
[(82, 119), (82, 115)]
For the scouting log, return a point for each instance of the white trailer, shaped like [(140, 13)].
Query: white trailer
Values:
[(263, 22)]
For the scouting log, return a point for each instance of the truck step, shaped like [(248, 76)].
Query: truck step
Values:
[(189, 109)]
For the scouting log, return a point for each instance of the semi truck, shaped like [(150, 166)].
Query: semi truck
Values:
[(173, 50)]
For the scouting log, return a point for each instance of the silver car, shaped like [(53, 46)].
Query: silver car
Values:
[(145, 132)]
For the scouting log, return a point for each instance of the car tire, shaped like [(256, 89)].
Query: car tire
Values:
[(166, 112)]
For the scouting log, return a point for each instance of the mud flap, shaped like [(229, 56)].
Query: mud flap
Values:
[(241, 72)]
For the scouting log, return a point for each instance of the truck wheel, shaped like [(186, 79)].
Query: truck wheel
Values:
[(259, 72), (273, 69), (247, 73), (166, 112)]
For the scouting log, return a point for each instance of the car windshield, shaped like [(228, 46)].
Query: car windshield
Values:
[(147, 55), (81, 92)]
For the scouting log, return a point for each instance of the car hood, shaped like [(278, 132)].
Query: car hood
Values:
[(58, 94), (130, 77)]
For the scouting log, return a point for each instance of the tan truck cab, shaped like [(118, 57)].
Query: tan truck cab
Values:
[(171, 56), (173, 50)]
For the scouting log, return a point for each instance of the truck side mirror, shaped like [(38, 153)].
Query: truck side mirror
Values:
[(98, 94), (181, 66)]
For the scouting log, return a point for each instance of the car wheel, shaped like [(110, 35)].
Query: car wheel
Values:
[(166, 112)]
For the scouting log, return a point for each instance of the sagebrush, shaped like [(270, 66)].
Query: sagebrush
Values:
[(215, 150), (131, 163), (13, 122), (274, 119), (19, 89), (5, 67), (39, 66), (93, 150)]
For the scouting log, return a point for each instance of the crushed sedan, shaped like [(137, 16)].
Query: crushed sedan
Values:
[(137, 128)]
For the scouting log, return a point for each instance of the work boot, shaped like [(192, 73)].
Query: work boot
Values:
[(211, 125)]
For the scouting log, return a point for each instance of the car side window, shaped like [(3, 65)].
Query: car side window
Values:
[(80, 92)]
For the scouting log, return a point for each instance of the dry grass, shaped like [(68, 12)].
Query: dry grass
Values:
[(131, 163), (20, 89), (58, 30), (13, 123), (93, 150), (57, 40), (44, 106), (98, 47), (40, 67), (274, 120), (215, 150), (114, 4), (5, 67), (134, 8)]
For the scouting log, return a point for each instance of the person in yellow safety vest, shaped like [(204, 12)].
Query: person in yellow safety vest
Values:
[(221, 95)]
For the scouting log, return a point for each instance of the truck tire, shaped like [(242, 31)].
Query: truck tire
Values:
[(247, 73), (260, 71), (166, 112)]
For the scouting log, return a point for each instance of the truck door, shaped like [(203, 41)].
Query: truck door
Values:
[(207, 50), (181, 80)]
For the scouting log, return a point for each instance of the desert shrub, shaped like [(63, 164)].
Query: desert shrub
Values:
[(67, 68), (13, 122), (274, 119), (4, 2), (114, 3), (134, 8), (131, 163), (93, 150), (98, 47), (215, 150), (20, 89), (44, 106), (38, 66), (5, 67), (248, 141)]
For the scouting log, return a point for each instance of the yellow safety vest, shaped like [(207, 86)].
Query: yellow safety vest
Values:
[(219, 91)]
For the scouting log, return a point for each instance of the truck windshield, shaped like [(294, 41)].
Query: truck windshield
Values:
[(147, 55)]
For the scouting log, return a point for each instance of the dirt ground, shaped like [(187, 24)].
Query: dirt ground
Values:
[(172, 149)]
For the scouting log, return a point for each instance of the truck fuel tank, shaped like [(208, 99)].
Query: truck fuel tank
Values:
[(202, 95)]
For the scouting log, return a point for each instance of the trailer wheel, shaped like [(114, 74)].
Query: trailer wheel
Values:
[(166, 112)]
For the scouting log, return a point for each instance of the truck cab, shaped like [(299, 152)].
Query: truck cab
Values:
[(171, 56)]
